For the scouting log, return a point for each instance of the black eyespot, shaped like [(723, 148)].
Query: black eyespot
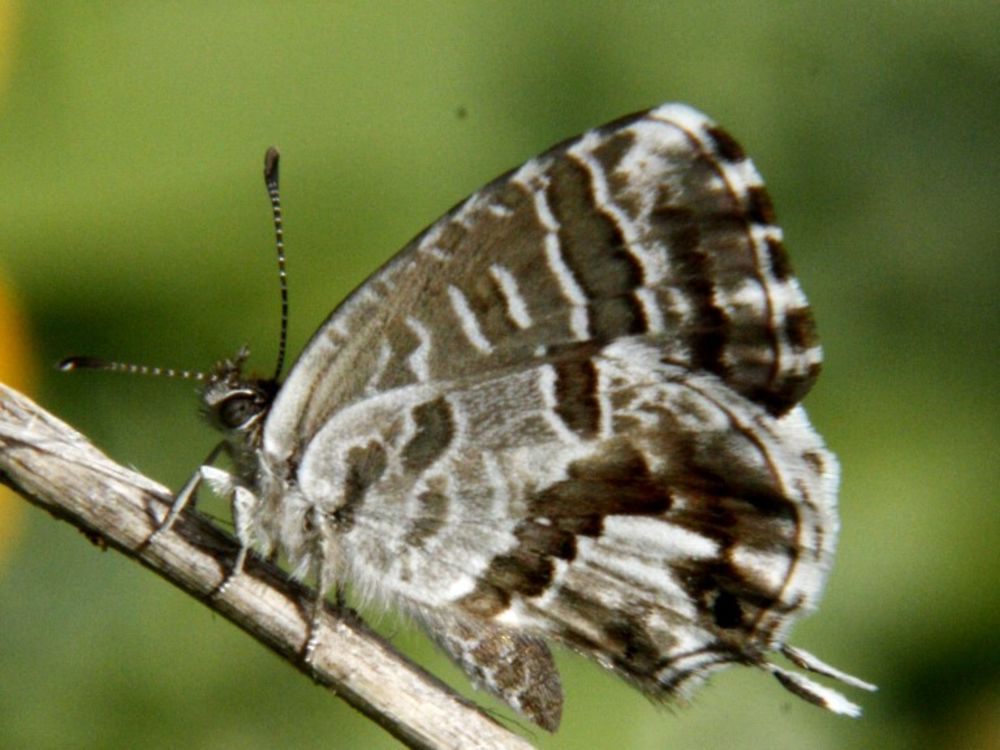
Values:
[(726, 610), (236, 411)]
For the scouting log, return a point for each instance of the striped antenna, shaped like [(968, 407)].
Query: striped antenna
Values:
[(271, 181), (95, 363)]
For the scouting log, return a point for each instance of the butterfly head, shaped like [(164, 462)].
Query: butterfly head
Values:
[(236, 404)]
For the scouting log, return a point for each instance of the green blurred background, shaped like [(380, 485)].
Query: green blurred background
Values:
[(134, 225)]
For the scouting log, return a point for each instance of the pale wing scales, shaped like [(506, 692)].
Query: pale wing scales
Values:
[(656, 225)]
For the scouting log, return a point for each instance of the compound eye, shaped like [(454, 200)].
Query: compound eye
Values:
[(236, 411)]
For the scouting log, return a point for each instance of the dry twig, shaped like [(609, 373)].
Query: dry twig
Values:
[(56, 468)]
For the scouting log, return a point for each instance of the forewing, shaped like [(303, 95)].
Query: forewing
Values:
[(655, 225)]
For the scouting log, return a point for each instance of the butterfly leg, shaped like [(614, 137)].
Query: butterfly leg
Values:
[(242, 501), (187, 493), (325, 562)]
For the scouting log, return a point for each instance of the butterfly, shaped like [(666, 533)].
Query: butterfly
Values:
[(567, 411)]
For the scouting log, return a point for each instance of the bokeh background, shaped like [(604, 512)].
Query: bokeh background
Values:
[(134, 225)]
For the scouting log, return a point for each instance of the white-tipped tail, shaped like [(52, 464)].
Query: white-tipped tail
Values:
[(813, 692), (807, 661)]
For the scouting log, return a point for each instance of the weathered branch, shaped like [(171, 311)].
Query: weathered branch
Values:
[(56, 468)]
